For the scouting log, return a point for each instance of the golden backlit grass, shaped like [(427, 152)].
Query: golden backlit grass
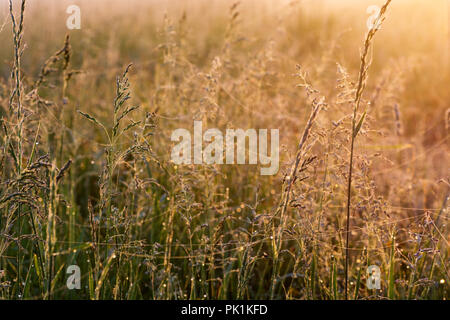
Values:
[(82, 185)]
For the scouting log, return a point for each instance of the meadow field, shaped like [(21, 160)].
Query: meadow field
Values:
[(88, 185)]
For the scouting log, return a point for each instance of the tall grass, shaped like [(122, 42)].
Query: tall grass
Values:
[(87, 180), (357, 124)]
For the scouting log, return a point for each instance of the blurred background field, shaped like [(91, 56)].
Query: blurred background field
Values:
[(141, 227)]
